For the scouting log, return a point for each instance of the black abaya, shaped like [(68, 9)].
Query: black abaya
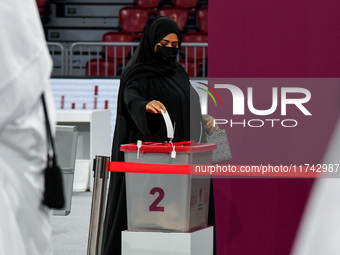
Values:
[(145, 79)]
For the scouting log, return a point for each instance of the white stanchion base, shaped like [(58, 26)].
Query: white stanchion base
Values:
[(199, 242)]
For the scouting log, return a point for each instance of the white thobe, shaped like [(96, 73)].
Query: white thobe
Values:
[(24, 74), (319, 231)]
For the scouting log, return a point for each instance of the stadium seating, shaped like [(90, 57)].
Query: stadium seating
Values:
[(41, 4), (150, 5), (202, 19), (147, 3), (133, 20), (114, 59), (103, 67), (192, 53), (190, 67), (117, 37), (98, 68), (188, 5), (196, 38), (185, 3), (178, 15), (126, 24)]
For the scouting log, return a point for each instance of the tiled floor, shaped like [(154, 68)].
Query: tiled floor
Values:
[(70, 233)]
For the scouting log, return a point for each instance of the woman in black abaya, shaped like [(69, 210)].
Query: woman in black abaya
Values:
[(152, 80)]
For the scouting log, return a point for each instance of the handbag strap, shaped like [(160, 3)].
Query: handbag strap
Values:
[(50, 141)]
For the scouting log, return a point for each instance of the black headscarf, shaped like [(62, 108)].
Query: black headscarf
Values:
[(144, 63)]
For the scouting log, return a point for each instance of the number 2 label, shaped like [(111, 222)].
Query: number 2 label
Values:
[(154, 206)]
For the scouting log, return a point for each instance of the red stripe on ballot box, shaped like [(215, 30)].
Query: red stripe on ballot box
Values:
[(145, 168)]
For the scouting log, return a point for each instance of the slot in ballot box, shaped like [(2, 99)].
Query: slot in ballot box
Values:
[(167, 202)]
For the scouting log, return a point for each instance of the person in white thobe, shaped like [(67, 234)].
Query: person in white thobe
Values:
[(24, 75), (319, 230)]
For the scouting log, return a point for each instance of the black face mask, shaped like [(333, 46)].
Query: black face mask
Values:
[(166, 54)]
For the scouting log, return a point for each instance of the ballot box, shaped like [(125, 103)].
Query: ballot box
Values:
[(66, 148), (167, 202)]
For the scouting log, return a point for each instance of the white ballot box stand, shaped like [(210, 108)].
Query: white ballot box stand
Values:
[(94, 129), (199, 242), (167, 213)]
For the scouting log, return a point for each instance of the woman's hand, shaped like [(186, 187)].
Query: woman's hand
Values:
[(209, 125), (155, 107)]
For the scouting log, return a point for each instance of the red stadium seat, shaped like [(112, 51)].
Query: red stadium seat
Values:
[(121, 52), (150, 5), (98, 68), (190, 67), (195, 56), (178, 15), (133, 20), (202, 19), (147, 3), (185, 3), (188, 5), (195, 38), (41, 4)]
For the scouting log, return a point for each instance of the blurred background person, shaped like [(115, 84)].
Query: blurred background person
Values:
[(24, 76)]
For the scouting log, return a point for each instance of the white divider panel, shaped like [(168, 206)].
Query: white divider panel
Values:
[(199, 242)]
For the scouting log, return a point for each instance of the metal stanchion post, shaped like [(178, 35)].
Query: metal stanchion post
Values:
[(98, 205)]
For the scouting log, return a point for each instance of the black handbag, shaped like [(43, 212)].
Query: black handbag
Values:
[(53, 196)]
